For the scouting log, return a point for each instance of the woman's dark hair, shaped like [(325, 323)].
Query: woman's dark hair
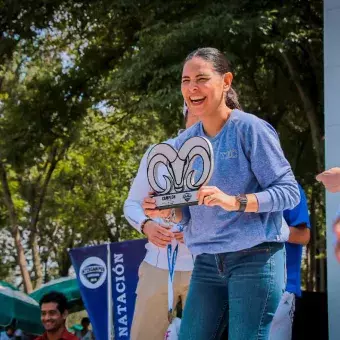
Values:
[(221, 66), (56, 297), (185, 112)]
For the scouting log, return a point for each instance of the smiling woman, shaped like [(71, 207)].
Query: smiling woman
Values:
[(236, 230), (199, 79)]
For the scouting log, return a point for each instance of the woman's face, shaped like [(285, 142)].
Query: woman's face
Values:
[(202, 87)]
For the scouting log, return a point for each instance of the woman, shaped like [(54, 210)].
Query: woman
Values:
[(236, 229)]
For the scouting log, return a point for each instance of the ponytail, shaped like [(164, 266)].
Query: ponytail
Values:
[(231, 99)]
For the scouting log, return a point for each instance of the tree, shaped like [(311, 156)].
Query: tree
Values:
[(51, 66), (84, 204), (92, 78), (276, 48)]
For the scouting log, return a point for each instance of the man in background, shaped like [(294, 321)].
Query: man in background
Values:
[(53, 307)]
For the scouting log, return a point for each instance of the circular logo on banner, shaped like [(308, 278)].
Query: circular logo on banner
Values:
[(93, 272)]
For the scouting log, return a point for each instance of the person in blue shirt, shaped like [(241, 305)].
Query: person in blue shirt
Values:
[(299, 236), (236, 230)]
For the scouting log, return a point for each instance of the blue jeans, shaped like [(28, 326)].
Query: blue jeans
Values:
[(239, 290)]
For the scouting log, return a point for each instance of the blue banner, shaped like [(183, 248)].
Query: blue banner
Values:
[(125, 260), (109, 271), (90, 264)]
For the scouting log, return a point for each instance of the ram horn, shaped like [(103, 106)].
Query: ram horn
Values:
[(193, 148), (160, 154)]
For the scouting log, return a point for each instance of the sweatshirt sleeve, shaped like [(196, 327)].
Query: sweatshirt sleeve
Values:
[(140, 188), (271, 168)]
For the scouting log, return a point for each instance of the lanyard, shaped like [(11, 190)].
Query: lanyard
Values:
[(171, 264)]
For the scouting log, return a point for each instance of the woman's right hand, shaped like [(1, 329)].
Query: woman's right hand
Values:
[(151, 210)]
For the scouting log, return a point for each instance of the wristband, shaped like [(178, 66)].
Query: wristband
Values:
[(143, 224)]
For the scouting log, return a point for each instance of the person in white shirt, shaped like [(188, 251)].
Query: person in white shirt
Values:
[(150, 320)]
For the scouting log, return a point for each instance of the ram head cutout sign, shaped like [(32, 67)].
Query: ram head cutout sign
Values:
[(177, 183)]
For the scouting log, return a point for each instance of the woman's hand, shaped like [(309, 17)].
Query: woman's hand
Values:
[(213, 196), (151, 210)]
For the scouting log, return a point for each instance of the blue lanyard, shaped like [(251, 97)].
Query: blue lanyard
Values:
[(171, 264)]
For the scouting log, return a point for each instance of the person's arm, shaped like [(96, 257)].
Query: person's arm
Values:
[(330, 179), (271, 168), (212, 196), (133, 210), (299, 234), (298, 221), (134, 213)]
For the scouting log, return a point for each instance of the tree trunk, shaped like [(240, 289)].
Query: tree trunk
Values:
[(37, 264), (37, 204), (312, 244), (64, 261), (322, 246), (21, 258), (64, 264), (306, 268), (310, 112), (322, 275)]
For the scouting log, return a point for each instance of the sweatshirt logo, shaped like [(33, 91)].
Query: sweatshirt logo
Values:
[(232, 153)]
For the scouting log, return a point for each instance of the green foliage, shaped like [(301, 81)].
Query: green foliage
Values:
[(86, 86)]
